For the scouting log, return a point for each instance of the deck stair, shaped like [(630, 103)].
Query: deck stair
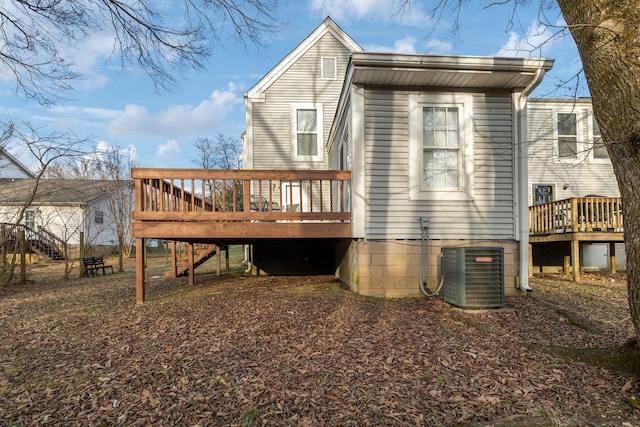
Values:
[(40, 241), (202, 253)]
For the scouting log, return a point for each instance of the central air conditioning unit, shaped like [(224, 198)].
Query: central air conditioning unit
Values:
[(473, 277)]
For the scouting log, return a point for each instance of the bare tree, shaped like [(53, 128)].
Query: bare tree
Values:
[(35, 33), (114, 166), (221, 152)]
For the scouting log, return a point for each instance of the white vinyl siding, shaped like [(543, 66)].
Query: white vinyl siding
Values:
[(392, 213), (587, 176), (271, 121)]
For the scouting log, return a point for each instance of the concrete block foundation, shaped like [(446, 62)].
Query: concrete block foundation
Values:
[(391, 268)]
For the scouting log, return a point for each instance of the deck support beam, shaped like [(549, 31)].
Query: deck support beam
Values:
[(575, 259), (191, 256), (612, 258), (140, 279)]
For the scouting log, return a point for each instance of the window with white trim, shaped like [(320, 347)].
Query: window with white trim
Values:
[(567, 132), (329, 67), (599, 149), (543, 193), (99, 217), (306, 135), (441, 146)]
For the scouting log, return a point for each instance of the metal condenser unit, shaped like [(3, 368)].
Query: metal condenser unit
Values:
[(473, 276)]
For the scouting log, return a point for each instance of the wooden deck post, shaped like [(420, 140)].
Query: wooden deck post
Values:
[(612, 257), (226, 257), (174, 260), (218, 262), (191, 255), (575, 259), (530, 260), (140, 255)]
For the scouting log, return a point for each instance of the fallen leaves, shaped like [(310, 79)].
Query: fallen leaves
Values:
[(298, 351)]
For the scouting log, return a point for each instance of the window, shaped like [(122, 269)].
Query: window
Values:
[(440, 147), (307, 136), (99, 217), (567, 128), (599, 149), (440, 135), (30, 219), (542, 194), (329, 68)]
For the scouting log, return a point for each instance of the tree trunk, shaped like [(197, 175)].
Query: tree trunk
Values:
[(607, 34)]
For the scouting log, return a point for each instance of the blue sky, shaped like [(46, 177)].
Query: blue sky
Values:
[(159, 129)]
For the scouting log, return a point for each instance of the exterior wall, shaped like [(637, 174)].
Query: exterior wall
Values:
[(587, 176), (66, 222), (391, 268), (391, 213), (270, 120)]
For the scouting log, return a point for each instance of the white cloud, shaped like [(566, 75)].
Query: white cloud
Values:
[(177, 120), (96, 113), (171, 146), (404, 45), (342, 10), (537, 41), (438, 46), (89, 57)]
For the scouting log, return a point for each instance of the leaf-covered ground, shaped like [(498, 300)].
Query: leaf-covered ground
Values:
[(304, 351)]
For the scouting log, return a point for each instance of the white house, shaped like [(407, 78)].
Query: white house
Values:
[(63, 208), (567, 159), (432, 142)]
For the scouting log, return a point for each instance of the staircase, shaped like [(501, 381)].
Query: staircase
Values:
[(41, 241), (202, 252)]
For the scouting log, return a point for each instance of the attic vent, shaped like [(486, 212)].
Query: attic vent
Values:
[(329, 68), (473, 276)]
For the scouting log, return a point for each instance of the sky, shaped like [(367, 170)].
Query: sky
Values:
[(116, 108)]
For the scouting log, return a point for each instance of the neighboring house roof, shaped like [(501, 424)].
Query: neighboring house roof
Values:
[(55, 191), (327, 26), (12, 161)]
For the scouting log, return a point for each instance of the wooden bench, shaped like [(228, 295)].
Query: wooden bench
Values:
[(93, 265)]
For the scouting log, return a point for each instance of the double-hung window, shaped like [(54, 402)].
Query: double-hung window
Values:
[(306, 135), (567, 131), (440, 146), (599, 149)]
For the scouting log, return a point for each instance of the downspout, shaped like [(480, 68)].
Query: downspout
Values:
[(522, 189)]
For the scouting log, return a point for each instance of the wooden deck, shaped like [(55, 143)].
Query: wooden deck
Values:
[(577, 220), (237, 207)]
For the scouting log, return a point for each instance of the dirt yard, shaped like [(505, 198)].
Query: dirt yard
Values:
[(304, 351)]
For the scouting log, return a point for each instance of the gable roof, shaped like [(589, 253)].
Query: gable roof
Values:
[(55, 191), (12, 160), (328, 26)]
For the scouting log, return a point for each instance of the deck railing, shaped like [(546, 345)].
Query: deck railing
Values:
[(241, 195), (577, 215)]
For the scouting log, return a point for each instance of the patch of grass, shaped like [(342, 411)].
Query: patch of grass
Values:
[(250, 417)]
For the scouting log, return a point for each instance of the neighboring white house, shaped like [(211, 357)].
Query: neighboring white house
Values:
[(567, 159), (10, 167), (432, 141), (63, 208)]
